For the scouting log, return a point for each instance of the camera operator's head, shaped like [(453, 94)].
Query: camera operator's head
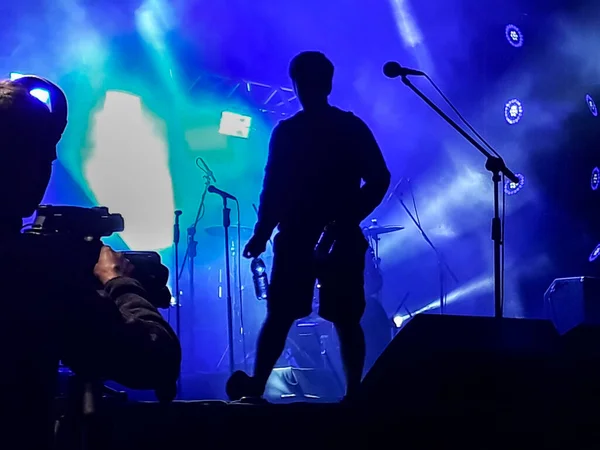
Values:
[(28, 138)]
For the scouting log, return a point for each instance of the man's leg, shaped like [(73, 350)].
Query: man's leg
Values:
[(270, 345), (343, 302), (352, 347), (290, 297)]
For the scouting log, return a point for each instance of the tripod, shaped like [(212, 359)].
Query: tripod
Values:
[(80, 427)]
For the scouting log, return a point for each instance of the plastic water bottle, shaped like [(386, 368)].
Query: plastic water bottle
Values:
[(260, 278)]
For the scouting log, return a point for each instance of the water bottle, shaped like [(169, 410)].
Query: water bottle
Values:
[(260, 278)]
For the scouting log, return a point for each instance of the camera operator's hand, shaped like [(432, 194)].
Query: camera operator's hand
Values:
[(111, 265)]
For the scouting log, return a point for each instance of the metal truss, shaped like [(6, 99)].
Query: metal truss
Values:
[(266, 98)]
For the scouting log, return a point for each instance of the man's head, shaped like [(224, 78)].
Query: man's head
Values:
[(27, 150), (312, 75)]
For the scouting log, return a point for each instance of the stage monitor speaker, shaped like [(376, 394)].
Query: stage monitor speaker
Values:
[(452, 363), (570, 302)]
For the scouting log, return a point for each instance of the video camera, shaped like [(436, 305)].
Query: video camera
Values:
[(81, 230)]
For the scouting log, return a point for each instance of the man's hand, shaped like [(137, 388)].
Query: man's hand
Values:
[(111, 265), (255, 247)]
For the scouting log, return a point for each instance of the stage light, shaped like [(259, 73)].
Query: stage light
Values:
[(233, 124), (41, 94), (398, 321), (595, 181), (595, 253), (514, 36), (592, 105), (511, 188), (513, 111)]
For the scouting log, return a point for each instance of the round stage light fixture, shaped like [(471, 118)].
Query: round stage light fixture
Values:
[(511, 188), (591, 105), (595, 181), (513, 111), (514, 36), (595, 254)]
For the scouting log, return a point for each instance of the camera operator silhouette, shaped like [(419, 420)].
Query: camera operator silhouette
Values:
[(317, 161), (47, 312)]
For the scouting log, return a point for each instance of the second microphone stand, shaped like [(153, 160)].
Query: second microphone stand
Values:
[(226, 225)]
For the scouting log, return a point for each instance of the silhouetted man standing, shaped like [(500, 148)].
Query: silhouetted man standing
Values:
[(317, 162)]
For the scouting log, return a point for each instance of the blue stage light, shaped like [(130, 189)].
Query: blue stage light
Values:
[(511, 188), (513, 111), (514, 36), (595, 181), (41, 94), (592, 105), (595, 253)]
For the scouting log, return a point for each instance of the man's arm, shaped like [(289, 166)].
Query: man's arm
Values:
[(149, 355), (272, 190), (116, 333), (374, 173)]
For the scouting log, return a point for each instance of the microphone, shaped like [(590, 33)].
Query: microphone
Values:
[(214, 190), (209, 172), (392, 69)]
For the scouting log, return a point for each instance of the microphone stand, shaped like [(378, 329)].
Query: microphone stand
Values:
[(176, 238), (189, 259), (226, 225), (440, 259), (496, 166), (192, 253)]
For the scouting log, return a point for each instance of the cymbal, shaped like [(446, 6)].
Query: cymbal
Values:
[(376, 230), (219, 231)]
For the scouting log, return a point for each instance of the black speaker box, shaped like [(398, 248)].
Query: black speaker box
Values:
[(459, 363), (570, 302)]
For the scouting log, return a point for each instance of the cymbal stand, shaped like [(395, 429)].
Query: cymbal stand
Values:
[(442, 264), (374, 243)]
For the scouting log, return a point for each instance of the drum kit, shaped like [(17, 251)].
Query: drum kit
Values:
[(373, 282), (373, 277), (373, 233)]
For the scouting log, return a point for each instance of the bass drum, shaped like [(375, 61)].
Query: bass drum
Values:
[(373, 277)]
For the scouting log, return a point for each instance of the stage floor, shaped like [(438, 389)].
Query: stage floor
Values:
[(215, 424)]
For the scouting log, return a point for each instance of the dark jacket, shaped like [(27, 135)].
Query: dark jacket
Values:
[(50, 312), (316, 165)]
